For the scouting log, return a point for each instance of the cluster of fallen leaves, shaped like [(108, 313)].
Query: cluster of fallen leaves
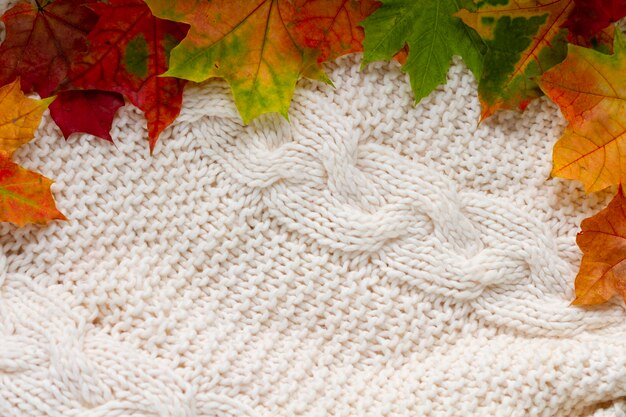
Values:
[(86, 58)]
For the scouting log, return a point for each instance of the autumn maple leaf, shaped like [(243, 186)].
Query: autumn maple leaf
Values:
[(590, 89), (128, 51), (24, 195), (602, 240), (330, 26), (42, 40), (19, 117), (261, 47), (524, 39)]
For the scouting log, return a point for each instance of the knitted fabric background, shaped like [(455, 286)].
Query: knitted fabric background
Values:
[(369, 258)]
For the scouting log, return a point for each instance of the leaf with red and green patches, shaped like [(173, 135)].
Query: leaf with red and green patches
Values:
[(261, 47), (41, 41), (601, 41), (590, 17), (590, 89), (524, 38), (602, 272), (128, 51), (24, 195), (86, 111)]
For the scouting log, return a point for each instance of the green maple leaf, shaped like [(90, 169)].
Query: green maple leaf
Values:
[(524, 39), (432, 34)]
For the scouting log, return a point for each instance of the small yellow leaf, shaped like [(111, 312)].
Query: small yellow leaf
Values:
[(25, 196), (19, 117)]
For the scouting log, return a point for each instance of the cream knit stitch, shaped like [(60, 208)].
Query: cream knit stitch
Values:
[(370, 258)]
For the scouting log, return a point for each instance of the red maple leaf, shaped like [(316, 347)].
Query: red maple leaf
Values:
[(41, 41), (90, 111), (128, 50)]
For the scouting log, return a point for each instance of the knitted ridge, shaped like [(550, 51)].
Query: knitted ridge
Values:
[(366, 258)]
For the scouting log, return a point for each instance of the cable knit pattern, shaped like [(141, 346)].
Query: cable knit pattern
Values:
[(369, 258)]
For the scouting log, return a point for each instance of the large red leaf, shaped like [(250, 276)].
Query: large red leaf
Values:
[(128, 50), (86, 111), (41, 41)]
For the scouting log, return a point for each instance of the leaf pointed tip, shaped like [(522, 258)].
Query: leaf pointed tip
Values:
[(618, 42), (47, 101), (59, 216), (487, 112), (576, 302), (152, 144), (586, 301), (246, 117)]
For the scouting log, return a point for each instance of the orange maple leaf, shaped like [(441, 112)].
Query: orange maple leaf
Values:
[(602, 271), (590, 89), (24, 195)]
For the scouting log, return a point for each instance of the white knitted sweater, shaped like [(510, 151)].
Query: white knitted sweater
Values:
[(369, 258)]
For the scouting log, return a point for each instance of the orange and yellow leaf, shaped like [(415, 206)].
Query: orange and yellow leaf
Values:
[(603, 242), (261, 47), (19, 117), (24, 195), (590, 89)]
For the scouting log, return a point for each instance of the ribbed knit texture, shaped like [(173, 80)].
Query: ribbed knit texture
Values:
[(369, 258)]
